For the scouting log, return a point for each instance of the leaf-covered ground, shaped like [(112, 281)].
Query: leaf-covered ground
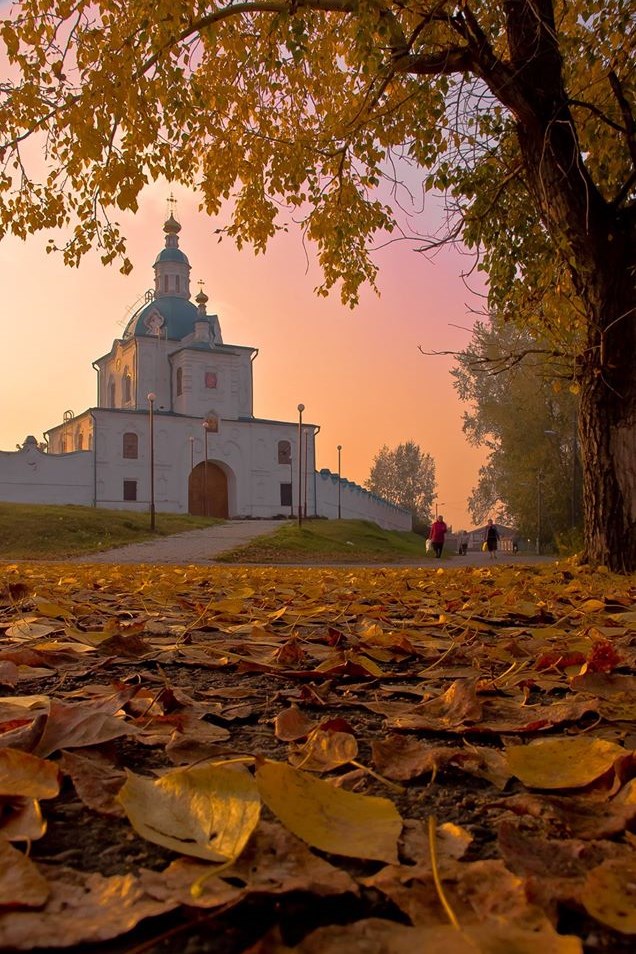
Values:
[(236, 759)]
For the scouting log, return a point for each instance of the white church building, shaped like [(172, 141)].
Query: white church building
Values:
[(174, 427)]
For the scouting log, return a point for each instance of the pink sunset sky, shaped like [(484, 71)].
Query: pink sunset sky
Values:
[(360, 373)]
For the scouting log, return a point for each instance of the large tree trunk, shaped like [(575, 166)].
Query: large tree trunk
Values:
[(597, 241), (607, 423)]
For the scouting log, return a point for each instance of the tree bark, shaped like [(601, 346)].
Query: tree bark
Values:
[(597, 240)]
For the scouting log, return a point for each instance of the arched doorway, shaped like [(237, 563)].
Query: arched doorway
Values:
[(207, 491)]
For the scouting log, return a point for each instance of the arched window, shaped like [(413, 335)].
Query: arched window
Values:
[(130, 446), (127, 386), (111, 394), (179, 381), (166, 283), (177, 283), (284, 452), (80, 442)]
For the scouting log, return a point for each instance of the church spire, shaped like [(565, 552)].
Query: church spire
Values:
[(172, 268)]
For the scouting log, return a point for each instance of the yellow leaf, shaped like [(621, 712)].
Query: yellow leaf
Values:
[(324, 751), (206, 812), (609, 894), (27, 775), (331, 819), (562, 763)]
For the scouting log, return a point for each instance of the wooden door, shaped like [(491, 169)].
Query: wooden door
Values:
[(207, 491)]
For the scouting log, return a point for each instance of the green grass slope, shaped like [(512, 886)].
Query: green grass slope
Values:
[(42, 532), (330, 541)]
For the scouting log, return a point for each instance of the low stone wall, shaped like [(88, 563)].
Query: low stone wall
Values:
[(30, 476), (356, 503)]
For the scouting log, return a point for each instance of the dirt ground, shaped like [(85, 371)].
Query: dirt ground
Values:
[(221, 694)]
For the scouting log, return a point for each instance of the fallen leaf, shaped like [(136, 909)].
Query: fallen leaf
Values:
[(27, 775), (609, 894), (81, 908), (21, 884), (562, 763), (204, 811), (331, 819), (324, 751)]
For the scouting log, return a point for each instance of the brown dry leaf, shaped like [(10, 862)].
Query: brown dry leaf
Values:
[(374, 936), (401, 758), (324, 751), (563, 763), (205, 812), (331, 819), (21, 884), (9, 673), (609, 894), (273, 862), (23, 707), (81, 908), (31, 627), (160, 730), (456, 706), (577, 816), (174, 884), (26, 775), (96, 780), (292, 724), (77, 725)]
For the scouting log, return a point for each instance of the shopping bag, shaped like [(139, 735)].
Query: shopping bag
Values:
[(484, 546)]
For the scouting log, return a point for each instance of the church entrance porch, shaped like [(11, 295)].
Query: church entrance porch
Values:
[(207, 491)]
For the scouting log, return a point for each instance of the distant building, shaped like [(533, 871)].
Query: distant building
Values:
[(210, 455)]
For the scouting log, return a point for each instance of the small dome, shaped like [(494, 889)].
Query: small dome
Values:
[(171, 226), (172, 255)]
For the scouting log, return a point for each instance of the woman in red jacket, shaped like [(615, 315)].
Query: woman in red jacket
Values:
[(437, 534)]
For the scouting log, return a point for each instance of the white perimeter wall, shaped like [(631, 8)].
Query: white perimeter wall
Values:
[(356, 503), (29, 476)]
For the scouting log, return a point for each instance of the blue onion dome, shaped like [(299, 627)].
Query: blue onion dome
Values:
[(168, 317)]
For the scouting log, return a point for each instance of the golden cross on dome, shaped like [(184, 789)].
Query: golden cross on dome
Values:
[(172, 205)]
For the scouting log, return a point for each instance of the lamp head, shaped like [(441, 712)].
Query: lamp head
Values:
[(152, 397), (301, 408)]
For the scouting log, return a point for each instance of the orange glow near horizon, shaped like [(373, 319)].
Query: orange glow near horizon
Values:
[(360, 374)]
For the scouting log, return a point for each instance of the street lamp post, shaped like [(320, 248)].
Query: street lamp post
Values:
[(339, 478), (301, 408), (205, 472), (151, 401), (306, 472)]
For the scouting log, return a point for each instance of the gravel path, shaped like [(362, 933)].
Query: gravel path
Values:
[(194, 546)]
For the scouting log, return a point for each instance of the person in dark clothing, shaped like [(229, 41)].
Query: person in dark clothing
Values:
[(437, 534), (491, 539)]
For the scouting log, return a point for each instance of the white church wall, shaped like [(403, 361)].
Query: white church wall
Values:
[(30, 476), (356, 503), (153, 375)]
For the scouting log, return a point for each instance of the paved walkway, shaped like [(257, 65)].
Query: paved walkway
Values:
[(203, 547), (194, 546)]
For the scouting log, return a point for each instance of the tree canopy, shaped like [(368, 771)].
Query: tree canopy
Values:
[(404, 475), (526, 418), (520, 111)]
